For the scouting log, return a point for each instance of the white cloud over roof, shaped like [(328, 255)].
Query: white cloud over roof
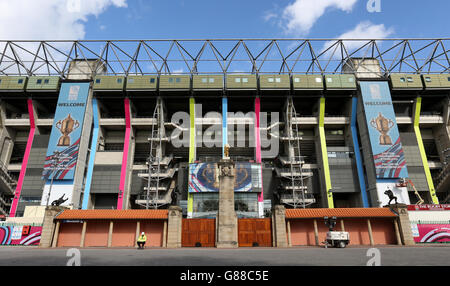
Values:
[(49, 19), (301, 15)]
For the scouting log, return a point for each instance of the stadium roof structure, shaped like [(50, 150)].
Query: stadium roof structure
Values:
[(224, 56)]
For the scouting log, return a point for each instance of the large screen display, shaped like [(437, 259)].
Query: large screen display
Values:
[(204, 177)]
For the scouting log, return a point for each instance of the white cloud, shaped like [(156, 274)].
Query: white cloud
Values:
[(49, 19), (364, 30), (300, 16), (46, 20)]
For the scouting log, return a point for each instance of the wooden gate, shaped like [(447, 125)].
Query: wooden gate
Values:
[(255, 232), (198, 232)]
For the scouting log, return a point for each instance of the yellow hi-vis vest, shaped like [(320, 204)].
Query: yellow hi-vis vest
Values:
[(142, 238)]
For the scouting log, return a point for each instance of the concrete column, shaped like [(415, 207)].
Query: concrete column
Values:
[(164, 244), (138, 231), (110, 232), (48, 226), (227, 218), (174, 227), (316, 232), (342, 225), (397, 233), (403, 223), (56, 234), (279, 223), (289, 233), (83, 234), (369, 228)]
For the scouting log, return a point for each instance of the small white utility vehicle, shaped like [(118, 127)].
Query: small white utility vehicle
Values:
[(338, 239)]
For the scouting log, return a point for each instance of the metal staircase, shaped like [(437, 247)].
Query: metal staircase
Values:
[(295, 191), (158, 191)]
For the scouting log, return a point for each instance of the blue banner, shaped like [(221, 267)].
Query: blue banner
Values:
[(65, 137), (387, 150)]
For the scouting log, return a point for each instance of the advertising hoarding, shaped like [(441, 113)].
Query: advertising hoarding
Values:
[(20, 235), (428, 233), (384, 136), (62, 152)]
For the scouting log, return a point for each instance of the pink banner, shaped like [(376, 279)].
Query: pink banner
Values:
[(126, 146), (20, 235), (426, 233), (428, 207), (23, 168)]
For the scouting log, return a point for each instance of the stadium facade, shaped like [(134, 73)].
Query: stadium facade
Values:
[(145, 124)]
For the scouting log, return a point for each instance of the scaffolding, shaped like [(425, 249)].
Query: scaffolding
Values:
[(298, 197), (151, 196)]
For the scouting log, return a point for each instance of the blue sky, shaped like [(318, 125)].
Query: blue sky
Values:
[(240, 19), (168, 19), (211, 19)]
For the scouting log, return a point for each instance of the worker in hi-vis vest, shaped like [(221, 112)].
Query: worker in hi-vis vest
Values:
[(141, 240)]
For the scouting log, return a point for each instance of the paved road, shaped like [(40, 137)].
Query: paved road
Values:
[(350, 256)]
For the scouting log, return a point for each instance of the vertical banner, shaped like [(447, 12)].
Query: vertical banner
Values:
[(90, 171), (258, 153), (65, 137), (359, 163), (23, 169), (385, 141), (192, 151), (126, 148), (224, 125), (323, 147)]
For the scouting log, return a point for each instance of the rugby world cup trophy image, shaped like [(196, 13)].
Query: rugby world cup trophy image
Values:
[(66, 126), (383, 125)]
